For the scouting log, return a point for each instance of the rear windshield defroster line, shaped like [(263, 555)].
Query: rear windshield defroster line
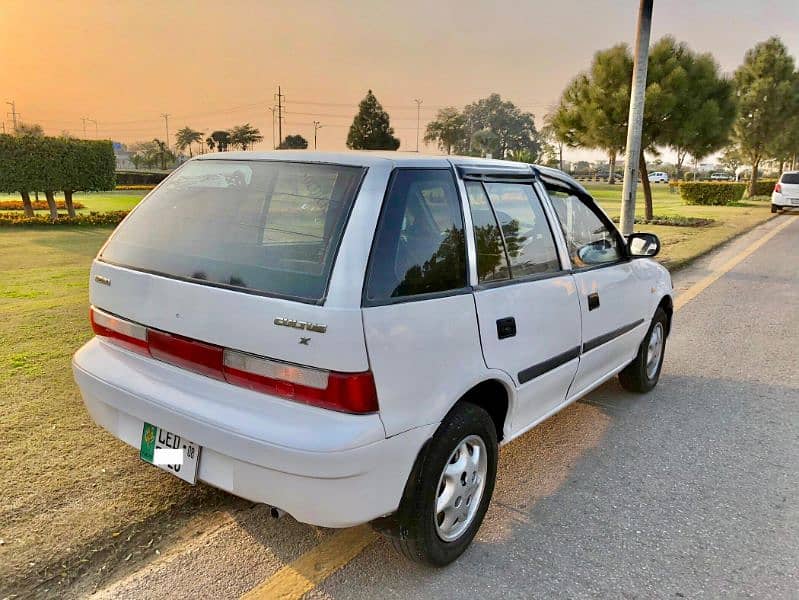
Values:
[(264, 227)]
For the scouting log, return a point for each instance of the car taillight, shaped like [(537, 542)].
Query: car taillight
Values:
[(205, 359), (778, 188), (345, 392), (119, 331)]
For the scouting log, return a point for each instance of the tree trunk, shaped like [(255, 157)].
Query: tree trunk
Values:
[(612, 166), (26, 204), (648, 211), (753, 176), (36, 196), (68, 202), (782, 164), (560, 155), (680, 160), (51, 203)]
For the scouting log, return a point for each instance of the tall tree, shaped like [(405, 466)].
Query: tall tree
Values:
[(767, 89), (371, 129), (447, 129), (293, 142), (244, 136), (700, 106), (187, 136), (514, 129), (164, 154), (731, 159), (592, 112)]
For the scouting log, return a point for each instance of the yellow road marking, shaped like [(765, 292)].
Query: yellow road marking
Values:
[(700, 286), (309, 570)]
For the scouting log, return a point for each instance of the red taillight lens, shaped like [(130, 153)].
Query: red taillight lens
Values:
[(345, 392), (192, 355), (778, 188), (123, 333)]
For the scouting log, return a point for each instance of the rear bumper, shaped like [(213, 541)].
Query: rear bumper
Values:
[(322, 467)]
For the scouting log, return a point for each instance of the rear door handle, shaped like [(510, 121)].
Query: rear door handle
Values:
[(506, 327), (593, 301)]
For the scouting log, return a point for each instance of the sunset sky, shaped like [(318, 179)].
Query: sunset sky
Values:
[(216, 64)]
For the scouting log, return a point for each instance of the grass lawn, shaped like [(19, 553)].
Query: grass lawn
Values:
[(94, 201), (682, 244), (76, 502), (72, 495)]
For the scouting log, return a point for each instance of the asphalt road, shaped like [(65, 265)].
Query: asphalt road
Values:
[(691, 491)]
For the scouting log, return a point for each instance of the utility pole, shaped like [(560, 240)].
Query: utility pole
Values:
[(272, 109), (96, 131), (84, 119), (166, 124), (280, 97), (316, 127), (632, 152), (13, 114), (418, 120)]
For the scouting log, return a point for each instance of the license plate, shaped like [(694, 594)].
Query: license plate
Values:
[(159, 446)]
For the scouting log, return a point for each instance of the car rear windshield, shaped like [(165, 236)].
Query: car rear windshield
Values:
[(259, 226), (790, 178)]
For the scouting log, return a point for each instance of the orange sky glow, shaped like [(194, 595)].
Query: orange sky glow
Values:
[(213, 65)]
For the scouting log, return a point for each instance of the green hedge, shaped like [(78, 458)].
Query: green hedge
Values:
[(92, 219), (764, 187), (36, 204), (712, 193), (139, 178)]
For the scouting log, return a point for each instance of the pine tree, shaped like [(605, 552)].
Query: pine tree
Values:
[(370, 129)]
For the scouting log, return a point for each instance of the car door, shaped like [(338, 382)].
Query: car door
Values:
[(613, 296), (527, 306)]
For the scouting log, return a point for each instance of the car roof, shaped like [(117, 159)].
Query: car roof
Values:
[(362, 158)]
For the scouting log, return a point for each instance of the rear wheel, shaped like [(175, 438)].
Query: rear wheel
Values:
[(775, 208), (449, 490), (642, 374)]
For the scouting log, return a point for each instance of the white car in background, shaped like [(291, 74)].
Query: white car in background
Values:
[(350, 337), (720, 177), (658, 177), (786, 192)]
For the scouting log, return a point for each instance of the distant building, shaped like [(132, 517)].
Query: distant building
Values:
[(122, 157)]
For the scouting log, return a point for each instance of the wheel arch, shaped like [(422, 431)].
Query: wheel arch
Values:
[(667, 304), (495, 397)]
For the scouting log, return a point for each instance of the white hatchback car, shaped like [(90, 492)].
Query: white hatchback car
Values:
[(658, 177), (349, 337), (786, 192)]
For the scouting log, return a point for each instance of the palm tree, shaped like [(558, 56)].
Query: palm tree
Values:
[(187, 136), (244, 136), (219, 139)]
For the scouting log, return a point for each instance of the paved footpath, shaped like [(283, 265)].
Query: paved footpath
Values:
[(691, 491)]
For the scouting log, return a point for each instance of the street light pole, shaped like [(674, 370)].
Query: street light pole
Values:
[(166, 124), (418, 120), (316, 127), (636, 117)]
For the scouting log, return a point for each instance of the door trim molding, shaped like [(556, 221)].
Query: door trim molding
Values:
[(550, 364), (609, 336)]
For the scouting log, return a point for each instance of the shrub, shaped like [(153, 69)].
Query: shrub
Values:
[(36, 204), (139, 178), (91, 219), (712, 193), (764, 187), (672, 220), (146, 187)]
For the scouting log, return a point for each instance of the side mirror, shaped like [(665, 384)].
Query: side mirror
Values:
[(643, 245)]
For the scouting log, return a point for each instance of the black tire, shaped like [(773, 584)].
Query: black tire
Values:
[(636, 377), (775, 208), (413, 530)]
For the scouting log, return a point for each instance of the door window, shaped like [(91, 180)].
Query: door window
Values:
[(514, 239), (419, 246), (590, 238)]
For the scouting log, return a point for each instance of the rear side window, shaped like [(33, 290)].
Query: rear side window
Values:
[(790, 178), (419, 246), (258, 226), (528, 238)]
